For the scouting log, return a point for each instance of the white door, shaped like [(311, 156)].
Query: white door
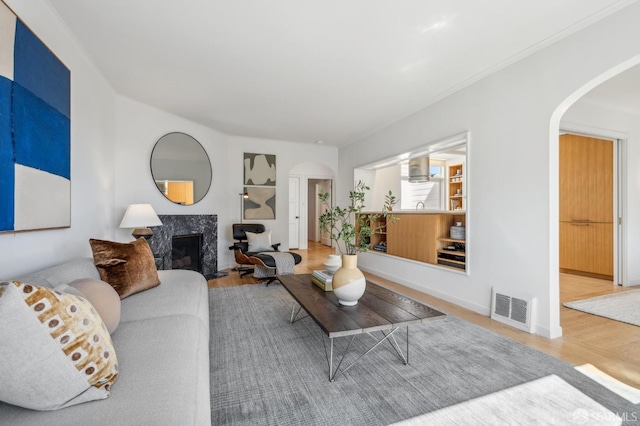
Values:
[(294, 212)]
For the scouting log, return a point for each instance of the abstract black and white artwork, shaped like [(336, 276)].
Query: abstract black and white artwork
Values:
[(261, 203), (260, 185), (259, 169)]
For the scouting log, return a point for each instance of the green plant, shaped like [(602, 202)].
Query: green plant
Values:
[(348, 225)]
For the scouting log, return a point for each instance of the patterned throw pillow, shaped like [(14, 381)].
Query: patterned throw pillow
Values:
[(55, 350)]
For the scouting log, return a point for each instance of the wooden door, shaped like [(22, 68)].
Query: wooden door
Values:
[(586, 205)]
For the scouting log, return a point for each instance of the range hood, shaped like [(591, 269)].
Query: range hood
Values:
[(419, 169)]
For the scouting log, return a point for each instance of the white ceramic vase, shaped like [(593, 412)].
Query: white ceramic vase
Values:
[(333, 263), (348, 282)]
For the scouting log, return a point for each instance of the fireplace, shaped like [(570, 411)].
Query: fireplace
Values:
[(186, 252), (204, 226)]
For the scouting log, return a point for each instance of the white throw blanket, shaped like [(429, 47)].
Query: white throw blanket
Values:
[(284, 265)]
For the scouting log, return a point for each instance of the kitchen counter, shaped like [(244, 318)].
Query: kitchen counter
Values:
[(421, 235)]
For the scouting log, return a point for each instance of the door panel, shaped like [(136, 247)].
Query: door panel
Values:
[(586, 205), (597, 238), (586, 179)]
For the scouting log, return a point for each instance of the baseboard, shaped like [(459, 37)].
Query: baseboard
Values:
[(479, 309), (482, 310), (586, 274)]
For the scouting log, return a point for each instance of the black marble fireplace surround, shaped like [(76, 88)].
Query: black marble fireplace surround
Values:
[(207, 225)]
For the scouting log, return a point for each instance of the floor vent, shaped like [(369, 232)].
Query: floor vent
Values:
[(513, 309)]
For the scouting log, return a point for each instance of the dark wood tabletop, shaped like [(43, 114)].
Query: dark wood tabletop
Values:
[(378, 309)]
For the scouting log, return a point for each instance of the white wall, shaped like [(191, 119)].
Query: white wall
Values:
[(140, 126), (387, 179), (513, 116), (92, 155), (606, 121)]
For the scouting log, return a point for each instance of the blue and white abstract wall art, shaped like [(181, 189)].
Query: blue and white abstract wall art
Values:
[(35, 131)]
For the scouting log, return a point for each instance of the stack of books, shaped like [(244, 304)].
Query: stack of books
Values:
[(322, 279)]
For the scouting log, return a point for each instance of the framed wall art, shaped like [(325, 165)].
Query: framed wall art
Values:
[(260, 185), (259, 169), (35, 131), (261, 203)]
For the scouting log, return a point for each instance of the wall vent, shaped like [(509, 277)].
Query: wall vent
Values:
[(516, 310)]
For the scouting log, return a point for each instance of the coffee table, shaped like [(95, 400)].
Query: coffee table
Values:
[(379, 310)]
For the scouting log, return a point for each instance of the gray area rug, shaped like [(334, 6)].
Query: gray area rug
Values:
[(623, 306), (266, 371)]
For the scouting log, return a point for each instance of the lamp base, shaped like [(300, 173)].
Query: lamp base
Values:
[(142, 232)]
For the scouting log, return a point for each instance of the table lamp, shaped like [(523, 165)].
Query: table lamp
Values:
[(140, 217)]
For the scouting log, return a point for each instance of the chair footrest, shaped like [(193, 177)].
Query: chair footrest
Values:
[(268, 261)]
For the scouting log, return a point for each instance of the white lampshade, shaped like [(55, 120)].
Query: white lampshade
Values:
[(140, 217)]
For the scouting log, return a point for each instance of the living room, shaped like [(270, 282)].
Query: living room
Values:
[(513, 114)]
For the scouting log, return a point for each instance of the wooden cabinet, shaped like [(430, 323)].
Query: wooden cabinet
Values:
[(456, 187), (423, 237), (378, 240), (586, 247), (586, 179), (452, 252), (586, 206), (414, 236)]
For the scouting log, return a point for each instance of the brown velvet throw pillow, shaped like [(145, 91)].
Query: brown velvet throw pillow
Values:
[(128, 267)]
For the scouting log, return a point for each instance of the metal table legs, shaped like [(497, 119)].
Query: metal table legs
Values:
[(388, 336)]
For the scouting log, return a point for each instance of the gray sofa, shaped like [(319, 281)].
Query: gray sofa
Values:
[(162, 345)]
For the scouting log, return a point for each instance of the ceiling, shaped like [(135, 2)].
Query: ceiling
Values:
[(315, 70)]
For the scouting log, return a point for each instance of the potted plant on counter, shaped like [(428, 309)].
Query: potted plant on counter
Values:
[(352, 230)]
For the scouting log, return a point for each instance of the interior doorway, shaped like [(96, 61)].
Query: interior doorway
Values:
[(587, 188), (303, 202), (316, 209)]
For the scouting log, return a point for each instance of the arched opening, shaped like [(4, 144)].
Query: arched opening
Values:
[(576, 115)]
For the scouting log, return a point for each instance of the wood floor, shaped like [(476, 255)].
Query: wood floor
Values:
[(612, 346)]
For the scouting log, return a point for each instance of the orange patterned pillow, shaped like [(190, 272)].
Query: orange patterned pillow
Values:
[(55, 351)]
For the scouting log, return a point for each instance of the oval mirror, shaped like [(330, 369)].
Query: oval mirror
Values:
[(180, 168)]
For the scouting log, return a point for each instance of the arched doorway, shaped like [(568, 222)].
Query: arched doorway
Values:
[(577, 114)]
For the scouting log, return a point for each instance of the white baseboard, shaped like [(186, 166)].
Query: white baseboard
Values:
[(482, 310)]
